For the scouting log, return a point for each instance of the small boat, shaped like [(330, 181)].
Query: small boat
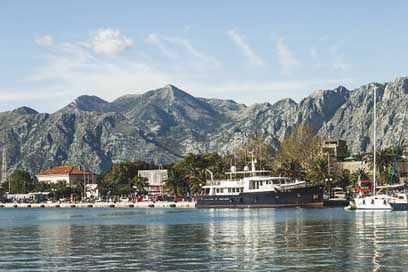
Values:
[(400, 202), (338, 198)]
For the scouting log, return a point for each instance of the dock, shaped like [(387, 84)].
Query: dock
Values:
[(145, 204)]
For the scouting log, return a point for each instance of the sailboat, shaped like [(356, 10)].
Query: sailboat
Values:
[(377, 200)]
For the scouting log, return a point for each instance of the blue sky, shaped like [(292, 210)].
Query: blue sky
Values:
[(250, 51)]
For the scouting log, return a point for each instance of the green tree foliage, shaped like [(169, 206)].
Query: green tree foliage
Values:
[(20, 182), (319, 170), (121, 178), (292, 168), (384, 162), (176, 184), (343, 179), (358, 174), (188, 175), (138, 185)]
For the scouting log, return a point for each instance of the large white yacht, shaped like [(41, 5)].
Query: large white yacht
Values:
[(257, 188)]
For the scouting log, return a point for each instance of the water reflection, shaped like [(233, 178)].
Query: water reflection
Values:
[(203, 240)]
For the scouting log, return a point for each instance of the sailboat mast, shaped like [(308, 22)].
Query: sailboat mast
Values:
[(375, 142)]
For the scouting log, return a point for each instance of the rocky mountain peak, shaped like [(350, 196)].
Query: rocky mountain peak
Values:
[(24, 111), (396, 88), (87, 103)]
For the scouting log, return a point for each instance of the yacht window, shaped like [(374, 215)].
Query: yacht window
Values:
[(372, 201), (229, 190)]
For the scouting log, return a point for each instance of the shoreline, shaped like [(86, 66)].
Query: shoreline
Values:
[(158, 204)]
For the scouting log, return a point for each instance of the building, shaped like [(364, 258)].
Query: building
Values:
[(156, 179), (73, 176), (336, 148)]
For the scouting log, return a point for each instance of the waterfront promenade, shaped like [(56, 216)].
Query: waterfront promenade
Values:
[(145, 204)]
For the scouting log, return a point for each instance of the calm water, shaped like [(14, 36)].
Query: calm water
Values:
[(205, 240)]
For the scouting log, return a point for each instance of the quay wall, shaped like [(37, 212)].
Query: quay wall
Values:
[(102, 205)]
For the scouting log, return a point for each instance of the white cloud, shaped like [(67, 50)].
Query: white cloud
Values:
[(177, 48), (109, 41), (44, 41), (155, 39), (247, 50), (286, 58), (73, 70)]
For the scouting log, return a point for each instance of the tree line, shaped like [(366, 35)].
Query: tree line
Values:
[(299, 157)]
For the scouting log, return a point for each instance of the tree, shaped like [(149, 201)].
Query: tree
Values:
[(319, 170), (384, 161), (20, 182), (119, 179), (343, 179), (175, 183), (358, 174), (301, 145), (292, 168), (139, 185)]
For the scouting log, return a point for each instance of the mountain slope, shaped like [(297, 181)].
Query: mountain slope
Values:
[(163, 124)]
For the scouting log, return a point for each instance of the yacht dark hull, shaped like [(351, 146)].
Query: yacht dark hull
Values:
[(310, 196), (399, 206)]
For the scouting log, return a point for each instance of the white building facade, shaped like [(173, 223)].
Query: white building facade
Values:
[(155, 179), (73, 176)]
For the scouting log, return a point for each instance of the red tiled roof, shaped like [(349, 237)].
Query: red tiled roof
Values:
[(73, 170)]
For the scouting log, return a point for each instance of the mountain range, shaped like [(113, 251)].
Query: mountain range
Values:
[(161, 125)]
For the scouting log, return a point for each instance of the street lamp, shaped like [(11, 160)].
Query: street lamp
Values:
[(327, 182)]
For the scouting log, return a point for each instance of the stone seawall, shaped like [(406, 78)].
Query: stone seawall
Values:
[(102, 205)]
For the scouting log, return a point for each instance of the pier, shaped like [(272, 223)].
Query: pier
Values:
[(147, 204)]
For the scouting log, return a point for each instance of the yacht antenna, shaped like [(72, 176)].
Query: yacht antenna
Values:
[(253, 161)]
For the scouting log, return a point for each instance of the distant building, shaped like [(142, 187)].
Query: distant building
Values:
[(353, 166), (336, 148), (156, 179), (73, 176)]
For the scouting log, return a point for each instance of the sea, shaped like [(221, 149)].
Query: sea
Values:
[(284, 239)]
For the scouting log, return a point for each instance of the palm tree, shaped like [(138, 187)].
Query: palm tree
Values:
[(139, 184), (358, 174), (292, 168), (319, 170), (344, 179), (384, 161), (175, 183)]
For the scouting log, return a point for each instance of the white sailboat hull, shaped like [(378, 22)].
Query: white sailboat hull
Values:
[(377, 202)]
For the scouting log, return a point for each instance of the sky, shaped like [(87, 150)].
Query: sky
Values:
[(251, 51)]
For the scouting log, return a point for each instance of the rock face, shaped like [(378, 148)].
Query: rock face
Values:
[(161, 125)]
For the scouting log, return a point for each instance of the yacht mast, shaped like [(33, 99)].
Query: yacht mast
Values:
[(375, 142)]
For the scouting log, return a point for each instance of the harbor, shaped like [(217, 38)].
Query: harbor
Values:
[(286, 239), (100, 205)]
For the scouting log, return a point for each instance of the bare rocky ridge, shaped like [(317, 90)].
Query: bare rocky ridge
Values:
[(161, 125)]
